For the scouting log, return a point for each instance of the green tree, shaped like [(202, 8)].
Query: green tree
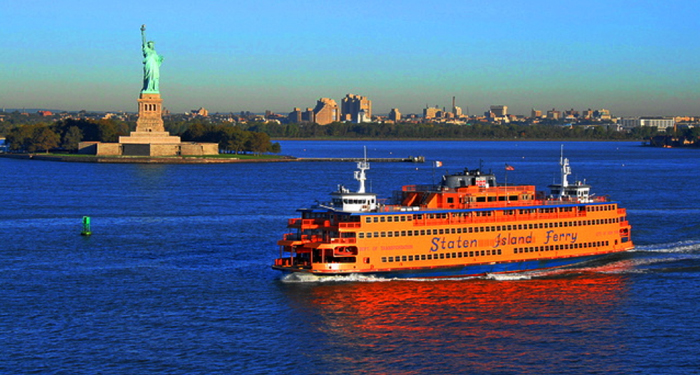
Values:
[(44, 139), (72, 138)]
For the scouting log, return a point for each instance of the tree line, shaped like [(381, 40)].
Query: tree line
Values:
[(67, 134), (450, 131)]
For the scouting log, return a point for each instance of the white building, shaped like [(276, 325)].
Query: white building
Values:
[(661, 123)]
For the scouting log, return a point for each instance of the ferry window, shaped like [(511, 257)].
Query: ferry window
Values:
[(403, 218), (382, 219), (450, 200), (459, 254), (376, 234), (383, 259), (442, 231), (390, 234), (410, 258), (447, 256), (482, 253), (396, 234), (375, 219), (442, 255), (422, 257), (383, 234), (409, 218), (481, 199), (499, 251), (388, 219), (459, 230), (403, 258), (391, 259), (491, 199), (368, 219), (422, 232), (430, 256), (362, 235)]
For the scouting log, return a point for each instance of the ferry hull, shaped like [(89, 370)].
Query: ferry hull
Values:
[(460, 271)]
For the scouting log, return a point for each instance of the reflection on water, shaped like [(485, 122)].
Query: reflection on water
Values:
[(465, 325)]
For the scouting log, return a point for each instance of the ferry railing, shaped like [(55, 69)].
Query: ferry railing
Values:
[(292, 237)]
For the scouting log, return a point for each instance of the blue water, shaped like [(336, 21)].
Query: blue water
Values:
[(176, 276)]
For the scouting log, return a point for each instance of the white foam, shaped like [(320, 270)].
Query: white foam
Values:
[(687, 246), (303, 277)]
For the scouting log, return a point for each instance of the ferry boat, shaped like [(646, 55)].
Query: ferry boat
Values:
[(467, 225)]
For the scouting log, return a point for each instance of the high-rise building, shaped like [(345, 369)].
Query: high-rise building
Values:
[(351, 105), (535, 113), (326, 111), (395, 115), (456, 111), (554, 114), (295, 116), (499, 111), (430, 112)]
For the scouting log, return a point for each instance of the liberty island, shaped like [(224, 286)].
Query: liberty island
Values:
[(150, 139)]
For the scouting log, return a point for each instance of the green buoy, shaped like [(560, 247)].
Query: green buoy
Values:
[(86, 226)]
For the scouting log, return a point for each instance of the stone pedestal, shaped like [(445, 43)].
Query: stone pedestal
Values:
[(149, 126), (150, 113)]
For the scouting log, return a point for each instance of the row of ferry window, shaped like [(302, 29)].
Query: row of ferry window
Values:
[(583, 245), (493, 228), (400, 218), (459, 254)]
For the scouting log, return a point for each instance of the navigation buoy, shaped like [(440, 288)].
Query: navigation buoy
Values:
[(86, 226)]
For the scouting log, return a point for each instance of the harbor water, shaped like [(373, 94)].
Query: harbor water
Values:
[(176, 277)]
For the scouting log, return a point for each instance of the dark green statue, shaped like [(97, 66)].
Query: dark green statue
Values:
[(151, 65)]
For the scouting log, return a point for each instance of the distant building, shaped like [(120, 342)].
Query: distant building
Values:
[(200, 112), (602, 114), (661, 123), (395, 115), (45, 113), (554, 114), (535, 113), (587, 114), (571, 114), (326, 111), (431, 112), (456, 111), (295, 116), (499, 111), (352, 105)]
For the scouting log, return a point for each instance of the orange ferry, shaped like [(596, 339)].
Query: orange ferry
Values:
[(466, 225)]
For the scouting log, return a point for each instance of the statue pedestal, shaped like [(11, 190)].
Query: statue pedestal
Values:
[(149, 126), (150, 113)]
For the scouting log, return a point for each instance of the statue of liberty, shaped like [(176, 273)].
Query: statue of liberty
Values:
[(151, 65)]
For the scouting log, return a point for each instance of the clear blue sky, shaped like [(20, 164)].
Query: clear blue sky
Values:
[(632, 57)]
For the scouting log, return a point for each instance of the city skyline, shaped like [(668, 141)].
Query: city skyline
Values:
[(636, 59)]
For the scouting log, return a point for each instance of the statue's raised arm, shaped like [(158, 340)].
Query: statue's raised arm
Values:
[(143, 36), (151, 65)]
